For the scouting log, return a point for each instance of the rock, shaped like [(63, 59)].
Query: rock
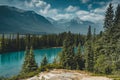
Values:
[(62, 74)]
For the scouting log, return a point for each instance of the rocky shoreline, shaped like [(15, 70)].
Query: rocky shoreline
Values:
[(61, 74)]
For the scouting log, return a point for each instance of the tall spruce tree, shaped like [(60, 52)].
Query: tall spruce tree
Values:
[(116, 27), (29, 64), (44, 61), (108, 22), (89, 34), (79, 58), (67, 56), (117, 15), (94, 35), (89, 55)]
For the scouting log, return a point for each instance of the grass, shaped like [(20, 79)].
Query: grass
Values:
[(112, 76)]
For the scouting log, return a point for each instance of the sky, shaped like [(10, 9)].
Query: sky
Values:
[(86, 10)]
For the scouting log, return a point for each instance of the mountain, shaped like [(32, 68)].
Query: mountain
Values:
[(50, 19), (76, 25), (14, 20)]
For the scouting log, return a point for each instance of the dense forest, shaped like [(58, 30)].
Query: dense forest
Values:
[(101, 52), (17, 42)]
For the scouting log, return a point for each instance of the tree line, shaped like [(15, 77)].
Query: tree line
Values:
[(17, 42)]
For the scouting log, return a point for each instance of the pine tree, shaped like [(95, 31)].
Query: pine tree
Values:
[(117, 15), (18, 42), (29, 63), (79, 58), (89, 34), (44, 61), (28, 40), (3, 43), (94, 35), (89, 55), (67, 56), (108, 23), (116, 28), (25, 64), (32, 64)]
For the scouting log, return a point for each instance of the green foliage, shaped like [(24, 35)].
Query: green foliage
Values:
[(67, 55), (36, 40), (3, 78), (107, 48), (79, 59), (29, 62), (108, 23), (117, 15), (49, 67), (3, 43), (103, 65), (89, 54), (44, 61), (89, 34)]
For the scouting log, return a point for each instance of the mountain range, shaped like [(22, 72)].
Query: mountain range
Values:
[(75, 25), (14, 20)]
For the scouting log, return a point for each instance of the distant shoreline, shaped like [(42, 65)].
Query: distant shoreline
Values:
[(34, 49)]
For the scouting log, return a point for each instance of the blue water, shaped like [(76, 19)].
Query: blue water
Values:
[(11, 63)]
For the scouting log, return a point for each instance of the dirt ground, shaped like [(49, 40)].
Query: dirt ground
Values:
[(61, 74)]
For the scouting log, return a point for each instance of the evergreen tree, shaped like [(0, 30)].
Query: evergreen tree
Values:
[(28, 40), (44, 61), (29, 63), (89, 34), (89, 59), (3, 43), (94, 35), (89, 55), (67, 55), (32, 64), (108, 23), (117, 15), (18, 42), (79, 58)]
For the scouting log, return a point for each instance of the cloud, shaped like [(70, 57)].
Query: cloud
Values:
[(99, 10), (90, 16), (85, 1), (35, 3), (42, 8), (63, 16), (41, 4), (71, 8), (48, 12)]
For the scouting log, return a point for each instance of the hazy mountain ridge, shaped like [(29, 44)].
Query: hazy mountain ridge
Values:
[(75, 25), (16, 20)]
